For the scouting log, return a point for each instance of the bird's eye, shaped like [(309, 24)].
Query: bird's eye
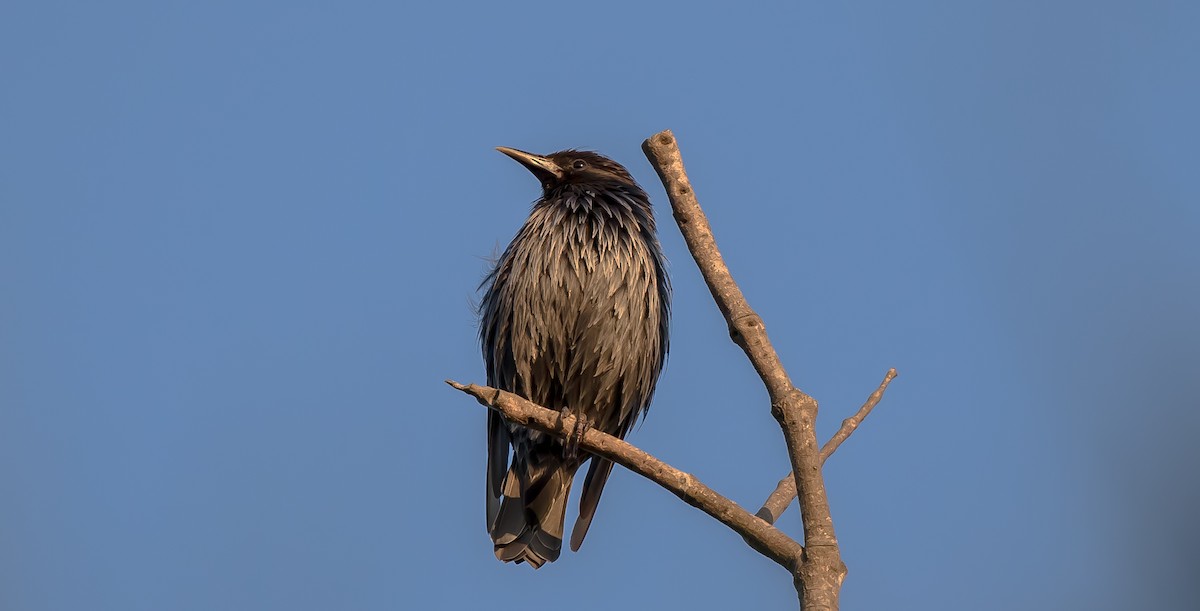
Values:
[(579, 164)]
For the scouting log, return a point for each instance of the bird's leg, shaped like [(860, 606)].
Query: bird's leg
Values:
[(562, 414), (571, 448)]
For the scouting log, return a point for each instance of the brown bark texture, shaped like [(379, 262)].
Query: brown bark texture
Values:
[(785, 491), (821, 571)]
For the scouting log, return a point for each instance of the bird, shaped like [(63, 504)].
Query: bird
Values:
[(574, 317)]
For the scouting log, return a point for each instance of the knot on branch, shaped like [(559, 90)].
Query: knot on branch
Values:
[(777, 409), (750, 320), (686, 480), (745, 324)]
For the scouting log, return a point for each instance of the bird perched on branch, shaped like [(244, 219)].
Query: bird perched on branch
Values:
[(574, 318)]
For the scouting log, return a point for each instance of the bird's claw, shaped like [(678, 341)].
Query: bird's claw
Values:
[(571, 448)]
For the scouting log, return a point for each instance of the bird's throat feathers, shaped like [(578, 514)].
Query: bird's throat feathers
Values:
[(614, 201)]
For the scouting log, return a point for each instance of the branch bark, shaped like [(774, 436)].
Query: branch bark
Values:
[(785, 491), (819, 576), (764, 538)]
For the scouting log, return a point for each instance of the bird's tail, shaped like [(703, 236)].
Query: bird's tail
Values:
[(529, 524)]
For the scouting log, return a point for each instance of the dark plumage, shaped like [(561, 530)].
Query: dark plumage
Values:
[(574, 317)]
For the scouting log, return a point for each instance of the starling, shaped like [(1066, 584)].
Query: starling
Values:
[(574, 317)]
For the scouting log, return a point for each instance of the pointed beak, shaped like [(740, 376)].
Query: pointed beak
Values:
[(543, 168)]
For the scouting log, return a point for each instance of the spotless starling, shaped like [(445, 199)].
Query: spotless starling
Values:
[(574, 317)]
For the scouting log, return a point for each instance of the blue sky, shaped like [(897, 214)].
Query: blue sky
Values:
[(239, 244)]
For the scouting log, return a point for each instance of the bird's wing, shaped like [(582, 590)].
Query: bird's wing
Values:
[(593, 485), (497, 464)]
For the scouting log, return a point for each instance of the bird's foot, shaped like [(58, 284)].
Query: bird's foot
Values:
[(562, 414), (571, 448)]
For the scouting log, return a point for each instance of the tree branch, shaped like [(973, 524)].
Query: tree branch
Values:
[(818, 578), (782, 497), (766, 539), (849, 425)]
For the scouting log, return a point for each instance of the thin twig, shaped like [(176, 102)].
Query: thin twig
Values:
[(766, 539), (785, 491), (818, 579), (850, 424)]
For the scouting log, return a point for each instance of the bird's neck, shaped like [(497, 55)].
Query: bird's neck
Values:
[(605, 200)]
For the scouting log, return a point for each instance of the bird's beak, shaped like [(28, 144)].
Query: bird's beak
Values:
[(543, 168)]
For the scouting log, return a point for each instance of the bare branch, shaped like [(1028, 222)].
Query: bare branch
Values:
[(818, 579), (850, 424), (766, 539), (782, 497)]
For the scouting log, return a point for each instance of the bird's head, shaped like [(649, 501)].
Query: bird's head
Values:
[(571, 167)]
